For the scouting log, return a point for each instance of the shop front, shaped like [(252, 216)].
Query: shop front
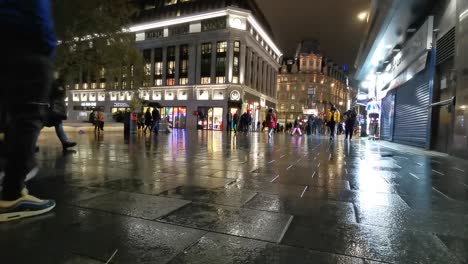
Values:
[(210, 118)]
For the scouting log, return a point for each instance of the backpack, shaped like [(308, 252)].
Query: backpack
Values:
[(269, 118)]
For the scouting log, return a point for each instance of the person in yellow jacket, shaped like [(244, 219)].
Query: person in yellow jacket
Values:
[(333, 117)]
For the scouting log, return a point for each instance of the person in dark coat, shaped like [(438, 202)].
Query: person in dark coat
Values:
[(58, 112), (235, 121), (349, 123), (148, 120), (27, 52)]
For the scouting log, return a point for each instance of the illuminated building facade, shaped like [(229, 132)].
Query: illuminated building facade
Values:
[(202, 60)]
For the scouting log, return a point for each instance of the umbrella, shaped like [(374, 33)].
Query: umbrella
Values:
[(155, 104)]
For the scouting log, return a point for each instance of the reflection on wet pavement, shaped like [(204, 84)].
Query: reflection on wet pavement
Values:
[(209, 197)]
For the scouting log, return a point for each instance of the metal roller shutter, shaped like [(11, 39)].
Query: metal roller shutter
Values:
[(386, 120), (411, 113)]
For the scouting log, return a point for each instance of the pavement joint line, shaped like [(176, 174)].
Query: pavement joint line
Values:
[(250, 198), (398, 166), (286, 227), (305, 189), (412, 174), (420, 164), (290, 166), (346, 170), (271, 161), (318, 165), (315, 158), (274, 179), (113, 255), (441, 193), (458, 169), (438, 172), (313, 174), (282, 156)]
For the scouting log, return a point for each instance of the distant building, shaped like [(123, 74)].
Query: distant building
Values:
[(308, 84), (202, 59)]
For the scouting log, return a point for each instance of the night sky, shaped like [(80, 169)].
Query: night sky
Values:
[(333, 22)]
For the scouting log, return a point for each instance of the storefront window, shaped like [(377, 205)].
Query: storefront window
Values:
[(210, 118), (175, 116)]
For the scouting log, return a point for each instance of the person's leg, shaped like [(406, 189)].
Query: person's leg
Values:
[(23, 129), (351, 131), (156, 127), (20, 142), (332, 130), (61, 133)]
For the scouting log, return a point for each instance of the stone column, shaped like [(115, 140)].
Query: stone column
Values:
[(177, 64), (152, 68), (248, 69), (254, 72), (258, 76), (242, 64), (229, 61), (164, 69), (213, 62), (193, 64)]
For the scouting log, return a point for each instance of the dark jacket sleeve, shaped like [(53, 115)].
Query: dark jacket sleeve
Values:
[(28, 25)]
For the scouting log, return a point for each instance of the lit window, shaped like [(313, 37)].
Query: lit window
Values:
[(292, 107), (220, 80), (293, 97), (158, 82), (221, 47), (182, 95), (183, 81), (235, 79), (158, 68), (236, 46), (218, 95), (203, 95), (205, 80), (170, 82), (169, 96)]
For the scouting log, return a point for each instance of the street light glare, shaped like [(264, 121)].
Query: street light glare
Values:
[(362, 16)]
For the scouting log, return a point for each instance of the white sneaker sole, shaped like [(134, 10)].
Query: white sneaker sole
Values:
[(20, 215)]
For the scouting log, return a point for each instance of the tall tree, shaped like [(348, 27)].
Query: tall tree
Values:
[(92, 39)]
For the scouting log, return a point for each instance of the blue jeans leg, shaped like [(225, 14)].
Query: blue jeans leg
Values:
[(61, 133)]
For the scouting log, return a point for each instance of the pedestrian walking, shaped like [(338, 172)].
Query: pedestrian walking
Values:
[(235, 121), (148, 121), (297, 127), (318, 125), (92, 117), (333, 116), (25, 98), (310, 125), (57, 112), (228, 122), (270, 122), (349, 124), (156, 120), (99, 124)]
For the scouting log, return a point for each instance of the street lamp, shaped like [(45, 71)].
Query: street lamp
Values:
[(362, 16)]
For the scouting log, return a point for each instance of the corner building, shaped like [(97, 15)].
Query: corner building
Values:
[(204, 59)]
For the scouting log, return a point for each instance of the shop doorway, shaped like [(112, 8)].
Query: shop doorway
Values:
[(176, 116), (210, 118)]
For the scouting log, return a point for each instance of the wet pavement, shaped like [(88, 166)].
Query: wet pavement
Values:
[(210, 197)]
